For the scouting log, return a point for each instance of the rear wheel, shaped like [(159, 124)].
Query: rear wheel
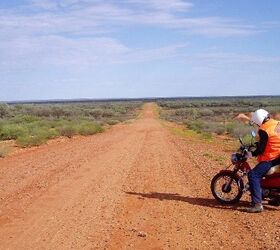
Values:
[(227, 187)]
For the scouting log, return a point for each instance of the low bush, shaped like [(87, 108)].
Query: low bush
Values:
[(89, 128), (12, 131), (52, 133), (36, 136), (28, 140), (196, 125)]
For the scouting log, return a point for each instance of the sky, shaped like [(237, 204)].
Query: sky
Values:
[(65, 49)]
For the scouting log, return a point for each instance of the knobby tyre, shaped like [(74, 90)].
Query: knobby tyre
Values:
[(227, 187)]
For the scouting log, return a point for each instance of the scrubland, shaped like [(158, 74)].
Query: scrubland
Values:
[(209, 116), (34, 124)]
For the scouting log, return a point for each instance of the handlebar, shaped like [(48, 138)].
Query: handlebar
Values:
[(241, 141), (244, 149)]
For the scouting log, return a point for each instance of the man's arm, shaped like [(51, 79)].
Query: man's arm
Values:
[(261, 144)]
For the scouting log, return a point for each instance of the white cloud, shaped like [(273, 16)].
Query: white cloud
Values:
[(162, 5), (30, 52), (72, 32), (60, 51), (97, 16)]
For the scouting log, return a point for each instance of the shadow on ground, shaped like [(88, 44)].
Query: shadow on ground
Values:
[(204, 202)]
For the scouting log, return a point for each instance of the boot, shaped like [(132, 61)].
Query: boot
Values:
[(256, 208)]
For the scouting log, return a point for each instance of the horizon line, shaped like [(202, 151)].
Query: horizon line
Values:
[(77, 100)]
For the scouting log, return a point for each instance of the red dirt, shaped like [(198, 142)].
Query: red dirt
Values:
[(136, 186)]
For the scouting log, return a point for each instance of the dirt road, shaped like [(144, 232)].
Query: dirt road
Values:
[(136, 186)]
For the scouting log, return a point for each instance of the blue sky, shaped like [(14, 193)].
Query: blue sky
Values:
[(53, 49)]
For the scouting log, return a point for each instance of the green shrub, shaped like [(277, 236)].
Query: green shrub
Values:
[(44, 132), (55, 123), (25, 119), (195, 125), (52, 133), (12, 131), (88, 128), (28, 140), (36, 136)]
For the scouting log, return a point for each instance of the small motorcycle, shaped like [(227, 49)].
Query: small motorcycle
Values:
[(229, 185)]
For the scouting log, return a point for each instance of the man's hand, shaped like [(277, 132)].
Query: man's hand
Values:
[(248, 155)]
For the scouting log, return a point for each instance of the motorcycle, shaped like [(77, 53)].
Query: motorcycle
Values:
[(229, 185)]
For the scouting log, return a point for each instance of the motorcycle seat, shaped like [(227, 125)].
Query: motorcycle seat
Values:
[(274, 170)]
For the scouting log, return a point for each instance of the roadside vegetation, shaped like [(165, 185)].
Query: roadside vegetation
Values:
[(210, 116), (34, 124)]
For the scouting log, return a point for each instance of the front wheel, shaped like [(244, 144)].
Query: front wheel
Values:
[(227, 187)]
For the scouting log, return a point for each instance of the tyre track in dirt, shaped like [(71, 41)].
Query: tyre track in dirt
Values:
[(173, 206), (78, 194), (136, 186)]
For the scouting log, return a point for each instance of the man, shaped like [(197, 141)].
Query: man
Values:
[(268, 153)]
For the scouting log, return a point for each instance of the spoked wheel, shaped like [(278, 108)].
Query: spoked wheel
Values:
[(227, 188)]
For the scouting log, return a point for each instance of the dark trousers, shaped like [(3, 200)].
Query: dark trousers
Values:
[(255, 176)]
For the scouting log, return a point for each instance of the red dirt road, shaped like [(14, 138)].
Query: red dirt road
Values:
[(136, 186)]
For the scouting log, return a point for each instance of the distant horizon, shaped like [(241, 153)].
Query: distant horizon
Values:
[(66, 100)]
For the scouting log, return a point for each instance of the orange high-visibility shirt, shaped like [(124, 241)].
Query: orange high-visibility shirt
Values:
[(272, 149)]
